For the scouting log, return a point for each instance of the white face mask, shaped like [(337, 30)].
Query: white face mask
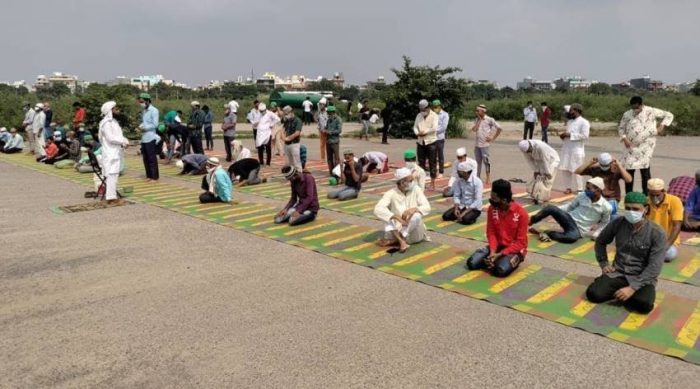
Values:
[(657, 199), (634, 217), (410, 165), (411, 186), (605, 168), (143, 105)]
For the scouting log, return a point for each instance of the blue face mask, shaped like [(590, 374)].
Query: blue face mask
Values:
[(589, 194)]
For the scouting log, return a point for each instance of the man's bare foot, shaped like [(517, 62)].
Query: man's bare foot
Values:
[(403, 246), (386, 243)]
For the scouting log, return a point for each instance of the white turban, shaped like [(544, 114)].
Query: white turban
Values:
[(180, 164), (107, 108), (567, 108), (323, 101), (462, 152), (262, 107), (524, 145), (423, 104), (195, 103), (402, 173)]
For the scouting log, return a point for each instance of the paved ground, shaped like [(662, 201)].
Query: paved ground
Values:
[(149, 298)]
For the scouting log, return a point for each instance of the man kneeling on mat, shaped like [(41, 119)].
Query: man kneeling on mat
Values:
[(402, 209), (506, 233), (468, 191), (303, 205), (350, 177), (245, 172), (216, 183), (640, 248)]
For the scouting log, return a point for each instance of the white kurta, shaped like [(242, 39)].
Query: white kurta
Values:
[(395, 203), (112, 139), (572, 150), (267, 121), (543, 159), (640, 130)]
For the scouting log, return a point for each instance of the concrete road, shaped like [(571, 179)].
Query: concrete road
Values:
[(138, 296)]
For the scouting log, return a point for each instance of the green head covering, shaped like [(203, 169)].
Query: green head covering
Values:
[(87, 138), (273, 104), (161, 127), (409, 154), (635, 198), (145, 96), (331, 108), (437, 103)]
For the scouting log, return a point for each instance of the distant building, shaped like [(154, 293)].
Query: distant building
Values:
[(146, 82), (56, 78), (378, 83), (119, 80), (682, 87), (531, 84), (339, 80), (16, 84), (621, 86), (646, 83), (575, 82)]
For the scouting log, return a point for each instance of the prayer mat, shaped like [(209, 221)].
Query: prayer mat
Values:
[(91, 206), (670, 329)]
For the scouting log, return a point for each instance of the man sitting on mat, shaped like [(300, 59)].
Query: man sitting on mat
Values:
[(193, 164), (468, 192), (350, 177), (506, 233), (402, 209), (691, 219), (376, 161), (461, 157), (303, 205), (15, 144), (246, 171), (640, 247), (666, 210), (586, 215), (216, 183)]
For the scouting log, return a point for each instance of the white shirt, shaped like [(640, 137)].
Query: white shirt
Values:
[(530, 114), (572, 149), (543, 159), (112, 139), (254, 117), (375, 157), (38, 122), (395, 203), (468, 193), (425, 128), (265, 124), (307, 105)]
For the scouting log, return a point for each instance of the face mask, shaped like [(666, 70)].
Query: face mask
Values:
[(411, 186), (570, 115), (634, 217), (410, 165), (605, 168), (589, 194), (494, 203), (143, 105), (656, 199)]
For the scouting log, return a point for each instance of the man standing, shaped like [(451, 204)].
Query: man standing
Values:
[(207, 128), (38, 124), (387, 121), (292, 132), (27, 124), (308, 106), (544, 121), (322, 123), (365, 113), (277, 130), (79, 121), (666, 210), (425, 128), (48, 131), (638, 129), (530, 114), (229, 128), (332, 131), (611, 172), (402, 209), (506, 234), (253, 117), (266, 121), (585, 216), (112, 140), (216, 183), (443, 121), (544, 161), (149, 138), (639, 255), (303, 204), (195, 124), (350, 177), (572, 150), (487, 130), (468, 192)]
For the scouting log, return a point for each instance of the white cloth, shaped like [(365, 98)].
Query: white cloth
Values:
[(39, 122), (376, 157), (418, 175), (530, 114), (640, 130), (112, 140), (395, 203), (267, 121), (425, 128), (572, 149), (233, 106), (543, 159), (243, 154), (413, 232), (307, 105)]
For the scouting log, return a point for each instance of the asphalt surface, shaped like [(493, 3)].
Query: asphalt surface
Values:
[(138, 296)]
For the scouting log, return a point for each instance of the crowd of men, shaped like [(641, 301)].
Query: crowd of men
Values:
[(646, 232)]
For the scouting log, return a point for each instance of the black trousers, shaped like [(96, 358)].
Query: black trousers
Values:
[(186, 145), (528, 130), (646, 176), (332, 155), (267, 147), (209, 136), (159, 147), (227, 146), (385, 132), (196, 142), (468, 218), (603, 289), (149, 153), (441, 155), (502, 266), (207, 197), (429, 153), (12, 150)]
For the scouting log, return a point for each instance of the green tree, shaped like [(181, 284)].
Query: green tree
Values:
[(600, 88), (53, 92), (696, 88), (424, 82)]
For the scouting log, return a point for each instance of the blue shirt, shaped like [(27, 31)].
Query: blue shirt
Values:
[(468, 193), (443, 121), (692, 204), (222, 187), (5, 136), (149, 124)]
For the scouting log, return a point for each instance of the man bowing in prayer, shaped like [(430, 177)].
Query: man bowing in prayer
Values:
[(112, 140), (543, 160), (402, 209)]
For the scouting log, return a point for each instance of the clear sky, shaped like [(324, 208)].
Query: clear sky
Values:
[(195, 41)]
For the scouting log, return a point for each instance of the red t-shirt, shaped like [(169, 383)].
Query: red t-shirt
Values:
[(79, 116), (51, 150), (544, 117), (507, 230)]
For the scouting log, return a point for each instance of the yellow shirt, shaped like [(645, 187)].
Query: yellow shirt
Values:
[(668, 211)]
